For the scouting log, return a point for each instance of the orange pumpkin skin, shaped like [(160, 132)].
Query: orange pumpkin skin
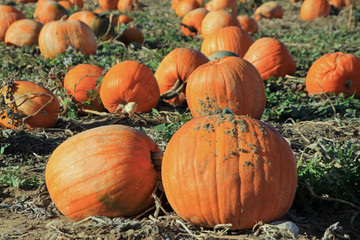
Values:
[(132, 34), (334, 73), (339, 4), (129, 81), (271, 58), (65, 3), (7, 8), (186, 6), (56, 36), (128, 5), (191, 23), (177, 66), (232, 39), (312, 9), (24, 32), (229, 82), (6, 19), (174, 3), (108, 4), (228, 5), (104, 171), (83, 79), (269, 10), (47, 11), (215, 20), (248, 24), (28, 98), (223, 169)]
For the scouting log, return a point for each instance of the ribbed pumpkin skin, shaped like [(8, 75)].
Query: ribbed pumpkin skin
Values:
[(6, 19), (271, 58), (24, 32), (217, 19), (178, 65), (228, 5), (7, 8), (334, 73), (193, 20), (232, 39), (269, 10), (56, 36), (223, 169), (30, 98), (47, 11), (130, 81), (312, 9), (104, 171), (227, 82)]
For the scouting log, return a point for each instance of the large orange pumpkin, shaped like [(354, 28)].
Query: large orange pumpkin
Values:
[(56, 36), (104, 171), (28, 105), (191, 23), (271, 58), (129, 81), (6, 19), (174, 70), (269, 10), (226, 169), (229, 5), (47, 11), (312, 9), (232, 39), (24, 32), (229, 82), (334, 73)]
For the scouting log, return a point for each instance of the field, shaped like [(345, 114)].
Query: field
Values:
[(323, 131)]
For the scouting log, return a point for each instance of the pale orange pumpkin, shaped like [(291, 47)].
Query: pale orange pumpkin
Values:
[(228, 5), (269, 10), (24, 32), (6, 19), (186, 6)]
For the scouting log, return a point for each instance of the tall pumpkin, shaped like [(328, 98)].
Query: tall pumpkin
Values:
[(271, 58), (56, 36), (312, 9), (334, 73), (229, 82), (232, 39), (107, 171), (226, 169), (174, 70), (129, 81)]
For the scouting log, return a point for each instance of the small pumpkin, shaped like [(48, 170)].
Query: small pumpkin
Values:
[(229, 82), (248, 23), (232, 39), (56, 36), (128, 5), (270, 9), (132, 34), (334, 73), (28, 105), (174, 70), (6, 19), (312, 9), (191, 23), (79, 3), (228, 5), (24, 32), (105, 171), (47, 11), (271, 58), (129, 81), (226, 169), (186, 6)]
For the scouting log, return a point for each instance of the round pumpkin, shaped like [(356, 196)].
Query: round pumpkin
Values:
[(312, 9), (226, 169), (228, 5), (248, 24), (186, 6), (56, 36), (232, 39), (47, 11), (334, 73), (132, 34), (81, 82), (129, 81), (221, 54), (24, 32), (229, 82), (28, 105), (128, 5), (104, 171), (174, 70), (6, 19), (271, 58), (191, 23), (270, 9), (7, 8)]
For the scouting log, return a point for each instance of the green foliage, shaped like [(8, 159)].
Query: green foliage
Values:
[(17, 179)]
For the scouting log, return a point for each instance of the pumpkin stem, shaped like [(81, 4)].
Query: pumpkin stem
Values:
[(156, 158), (191, 29), (175, 91)]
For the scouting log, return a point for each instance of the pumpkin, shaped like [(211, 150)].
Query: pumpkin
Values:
[(28, 105), (79, 3), (100, 25), (312, 9), (248, 24), (186, 6), (6, 19), (132, 34), (232, 39), (56, 36), (191, 23), (129, 81), (269, 10), (229, 82), (47, 11), (24, 32), (221, 54), (81, 82), (217, 19), (65, 3), (271, 58), (108, 4), (334, 73), (226, 169), (174, 70), (7, 8), (128, 5), (125, 19), (339, 4), (228, 5), (107, 171)]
